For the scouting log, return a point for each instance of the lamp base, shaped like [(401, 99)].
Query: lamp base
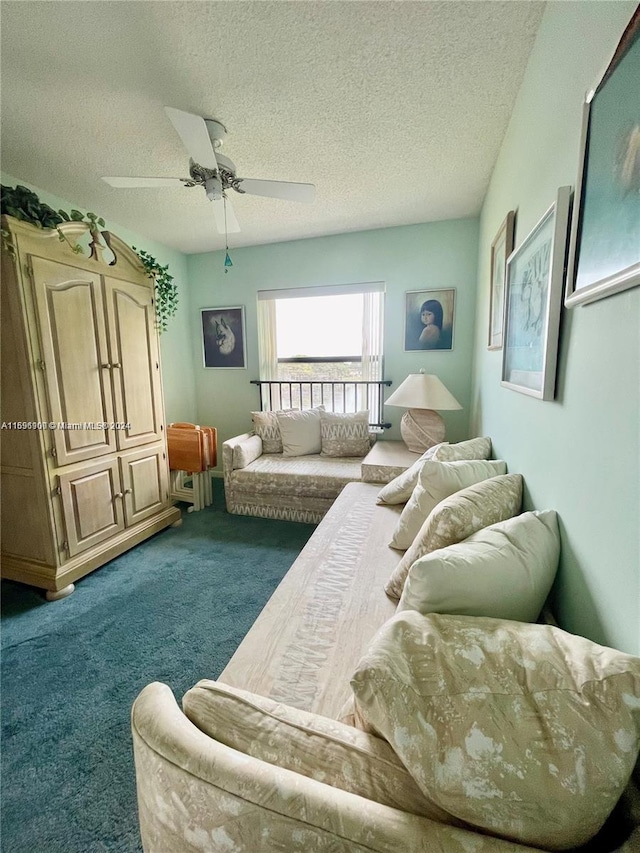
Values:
[(421, 429)]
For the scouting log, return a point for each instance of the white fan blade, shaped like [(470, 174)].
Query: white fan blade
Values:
[(193, 132), (144, 182), (279, 189), (218, 212)]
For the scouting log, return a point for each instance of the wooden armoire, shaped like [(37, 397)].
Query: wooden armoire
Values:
[(83, 444)]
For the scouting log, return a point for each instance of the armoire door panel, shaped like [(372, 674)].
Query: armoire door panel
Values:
[(75, 360), (146, 482), (134, 353), (92, 504)]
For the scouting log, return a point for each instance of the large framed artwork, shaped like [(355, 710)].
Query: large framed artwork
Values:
[(223, 338), (428, 319), (604, 254), (535, 278), (501, 248)]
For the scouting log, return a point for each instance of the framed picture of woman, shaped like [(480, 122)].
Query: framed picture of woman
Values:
[(428, 319)]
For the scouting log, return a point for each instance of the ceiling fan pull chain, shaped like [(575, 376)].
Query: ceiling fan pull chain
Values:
[(227, 260)]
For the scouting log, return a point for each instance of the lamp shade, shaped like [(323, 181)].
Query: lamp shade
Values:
[(423, 391)]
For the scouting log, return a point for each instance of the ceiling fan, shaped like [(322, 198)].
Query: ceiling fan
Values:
[(208, 168)]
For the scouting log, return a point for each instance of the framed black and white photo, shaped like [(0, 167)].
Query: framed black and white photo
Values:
[(428, 319), (223, 338), (501, 248), (604, 254), (535, 278)]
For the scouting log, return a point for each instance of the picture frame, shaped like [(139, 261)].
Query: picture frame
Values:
[(535, 280), (501, 248), (436, 335), (223, 337), (604, 249)]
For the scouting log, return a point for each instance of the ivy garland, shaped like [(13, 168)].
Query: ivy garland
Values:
[(24, 204), (166, 288)]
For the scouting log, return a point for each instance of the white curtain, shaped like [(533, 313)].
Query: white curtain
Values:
[(267, 340), (372, 336)]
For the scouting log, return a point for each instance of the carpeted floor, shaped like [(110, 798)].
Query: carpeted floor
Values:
[(173, 609)]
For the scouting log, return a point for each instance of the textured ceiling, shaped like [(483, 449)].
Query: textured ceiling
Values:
[(394, 110)]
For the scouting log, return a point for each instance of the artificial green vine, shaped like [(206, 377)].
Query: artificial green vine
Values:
[(24, 204), (165, 287)]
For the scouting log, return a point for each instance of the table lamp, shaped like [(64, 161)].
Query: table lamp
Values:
[(421, 427)]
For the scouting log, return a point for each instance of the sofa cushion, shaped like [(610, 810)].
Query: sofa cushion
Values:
[(505, 570), (266, 426), (300, 432), (524, 731), (344, 434), (436, 481), (457, 517), (400, 489), (309, 476), (247, 451), (314, 746), (473, 448)]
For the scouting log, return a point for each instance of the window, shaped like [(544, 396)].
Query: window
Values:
[(327, 334)]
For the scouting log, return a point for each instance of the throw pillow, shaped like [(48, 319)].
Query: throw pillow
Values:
[(300, 432), (344, 434), (436, 481), (505, 571), (314, 746), (247, 452), (266, 426), (399, 490), (523, 731), (457, 517), (474, 448)]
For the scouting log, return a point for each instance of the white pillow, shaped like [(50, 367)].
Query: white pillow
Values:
[(399, 490), (300, 432), (505, 571), (524, 731), (474, 448), (436, 481), (457, 517)]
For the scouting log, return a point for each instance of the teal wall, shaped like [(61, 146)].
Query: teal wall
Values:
[(175, 343), (579, 454), (414, 257)]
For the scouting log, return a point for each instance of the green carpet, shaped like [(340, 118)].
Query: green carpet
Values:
[(172, 609)]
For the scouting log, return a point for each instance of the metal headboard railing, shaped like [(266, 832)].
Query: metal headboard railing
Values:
[(336, 396)]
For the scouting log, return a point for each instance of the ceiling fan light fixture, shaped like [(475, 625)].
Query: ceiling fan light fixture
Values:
[(213, 187)]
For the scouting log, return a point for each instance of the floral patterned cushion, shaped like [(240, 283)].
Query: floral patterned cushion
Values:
[(314, 746), (524, 731), (344, 434), (457, 517), (474, 448), (505, 570), (400, 489), (436, 481)]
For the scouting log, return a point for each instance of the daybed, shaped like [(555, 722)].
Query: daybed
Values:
[(295, 463), (260, 762)]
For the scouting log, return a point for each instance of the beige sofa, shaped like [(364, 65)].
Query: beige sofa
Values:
[(270, 485), (198, 793)]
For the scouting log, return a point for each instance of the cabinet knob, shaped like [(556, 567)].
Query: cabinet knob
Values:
[(106, 366), (118, 495), (127, 491), (117, 364)]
